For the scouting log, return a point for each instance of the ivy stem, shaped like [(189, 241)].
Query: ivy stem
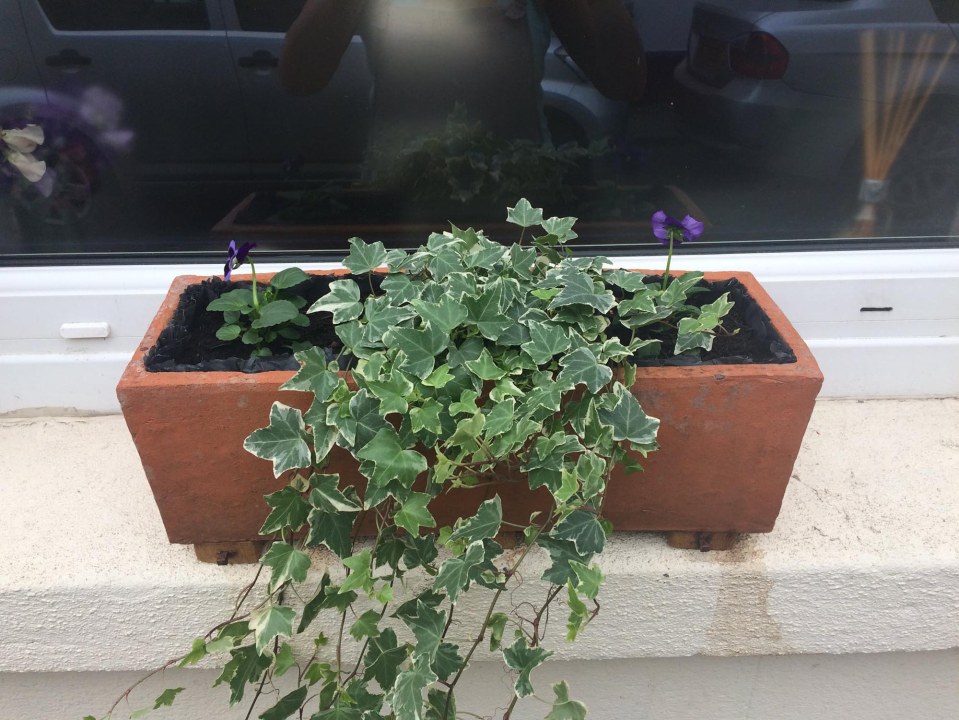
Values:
[(489, 614)]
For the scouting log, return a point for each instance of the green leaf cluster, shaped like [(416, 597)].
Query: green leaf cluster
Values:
[(264, 316)]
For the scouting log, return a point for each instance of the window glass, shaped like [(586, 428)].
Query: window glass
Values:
[(297, 125), (76, 15), (260, 16)]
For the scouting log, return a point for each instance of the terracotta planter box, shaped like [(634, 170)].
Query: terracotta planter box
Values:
[(729, 438)]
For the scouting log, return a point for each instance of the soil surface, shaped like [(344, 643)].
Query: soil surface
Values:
[(189, 343)]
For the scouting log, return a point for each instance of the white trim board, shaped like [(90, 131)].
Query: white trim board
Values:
[(862, 354)]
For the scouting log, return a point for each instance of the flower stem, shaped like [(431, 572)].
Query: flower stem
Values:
[(669, 260), (256, 295)]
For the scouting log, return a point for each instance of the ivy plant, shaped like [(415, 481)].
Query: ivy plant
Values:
[(470, 362)]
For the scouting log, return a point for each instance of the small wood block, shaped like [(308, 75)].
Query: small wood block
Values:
[(702, 541), (229, 553)]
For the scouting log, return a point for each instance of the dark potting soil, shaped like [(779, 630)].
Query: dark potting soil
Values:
[(189, 342)]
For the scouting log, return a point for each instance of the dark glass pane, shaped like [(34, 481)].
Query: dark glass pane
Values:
[(274, 16), (801, 125), (86, 15)]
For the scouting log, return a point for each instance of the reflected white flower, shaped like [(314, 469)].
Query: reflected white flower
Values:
[(31, 168), (19, 143), (23, 140)]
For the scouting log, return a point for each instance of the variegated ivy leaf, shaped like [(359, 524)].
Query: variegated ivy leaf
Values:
[(439, 378), (486, 312), (486, 254), (392, 392), (400, 289), (627, 419), (283, 442), (391, 461), (579, 289), (289, 509), (269, 622), (697, 332), (500, 418), (628, 280), (428, 625), (366, 625), (316, 374), (582, 367), (381, 316), (524, 659), (547, 340), (467, 434), (420, 346), (589, 578), (563, 708), (584, 530), (444, 315), (485, 523), (287, 705), (561, 227), (414, 514), (446, 261), (286, 562), (484, 367), (363, 420), (245, 666), (332, 528), (524, 214), (427, 417), (690, 335), (454, 574), (406, 695), (360, 577), (678, 288), (364, 257), (343, 301), (383, 658), (325, 493)]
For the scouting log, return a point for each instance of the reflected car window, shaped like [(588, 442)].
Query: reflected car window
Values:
[(79, 15)]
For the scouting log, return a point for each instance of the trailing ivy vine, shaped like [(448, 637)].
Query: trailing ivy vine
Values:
[(468, 361)]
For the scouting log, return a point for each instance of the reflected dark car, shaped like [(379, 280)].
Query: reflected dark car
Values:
[(185, 91), (806, 88)]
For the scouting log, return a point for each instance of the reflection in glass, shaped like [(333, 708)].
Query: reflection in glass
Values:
[(179, 125)]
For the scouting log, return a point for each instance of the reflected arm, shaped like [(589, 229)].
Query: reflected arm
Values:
[(315, 43)]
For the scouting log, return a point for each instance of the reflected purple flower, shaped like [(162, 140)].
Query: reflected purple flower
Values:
[(668, 228), (235, 258)]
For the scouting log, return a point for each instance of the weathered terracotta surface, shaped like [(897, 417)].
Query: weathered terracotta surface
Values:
[(729, 435)]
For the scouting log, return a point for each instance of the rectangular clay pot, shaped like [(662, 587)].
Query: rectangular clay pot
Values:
[(729, 437)]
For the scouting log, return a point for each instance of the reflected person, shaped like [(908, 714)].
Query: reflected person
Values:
[(427, 56)]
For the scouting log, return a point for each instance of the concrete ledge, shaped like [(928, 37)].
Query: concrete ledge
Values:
[(864, 558)]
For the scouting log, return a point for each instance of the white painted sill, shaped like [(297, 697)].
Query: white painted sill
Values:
[(864, 557), (911, 319)]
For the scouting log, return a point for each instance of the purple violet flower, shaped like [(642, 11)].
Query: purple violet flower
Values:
[(668, 228), (235, 257)]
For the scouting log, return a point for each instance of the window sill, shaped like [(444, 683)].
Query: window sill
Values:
[(864, 557)]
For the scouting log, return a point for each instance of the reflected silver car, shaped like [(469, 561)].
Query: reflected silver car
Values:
[(805, 87)]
